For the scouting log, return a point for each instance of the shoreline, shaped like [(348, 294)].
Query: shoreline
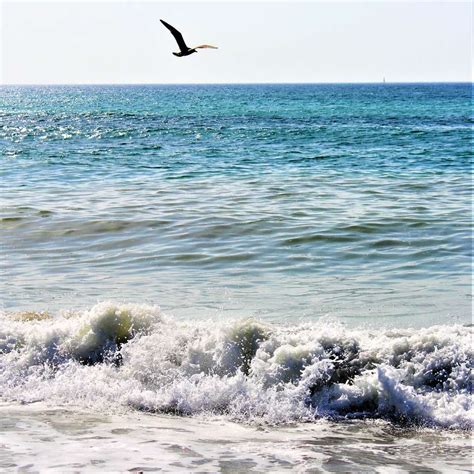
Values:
[(39, 437)]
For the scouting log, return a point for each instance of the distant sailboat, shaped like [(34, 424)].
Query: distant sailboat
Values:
[(384, 80)]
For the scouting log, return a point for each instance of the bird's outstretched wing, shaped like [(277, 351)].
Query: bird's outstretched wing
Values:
[(205, 46), (177, 36)]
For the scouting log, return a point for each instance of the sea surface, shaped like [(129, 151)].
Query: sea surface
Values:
[(236, 277)]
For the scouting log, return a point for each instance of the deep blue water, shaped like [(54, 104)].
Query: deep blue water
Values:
[(278, 201)]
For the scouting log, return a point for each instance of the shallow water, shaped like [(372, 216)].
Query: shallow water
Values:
[(84, 442), (281, 201)]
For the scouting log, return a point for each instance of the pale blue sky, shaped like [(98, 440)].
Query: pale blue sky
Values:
[(313, 41)]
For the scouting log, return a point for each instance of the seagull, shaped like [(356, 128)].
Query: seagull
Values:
[(183, 49)]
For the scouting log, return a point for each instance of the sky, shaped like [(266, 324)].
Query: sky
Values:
[(107, 42)]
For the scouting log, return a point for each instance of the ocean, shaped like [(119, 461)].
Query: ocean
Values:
[(236, 278)]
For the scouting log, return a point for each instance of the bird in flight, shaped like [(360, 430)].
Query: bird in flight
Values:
[(184, 50)]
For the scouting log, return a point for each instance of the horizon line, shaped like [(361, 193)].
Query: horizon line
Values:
[(226, 83)]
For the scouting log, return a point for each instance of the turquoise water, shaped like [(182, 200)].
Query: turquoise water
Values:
[(236, 278), (277, 201)]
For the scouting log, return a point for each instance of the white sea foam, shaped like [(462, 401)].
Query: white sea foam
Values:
[(121, 357)]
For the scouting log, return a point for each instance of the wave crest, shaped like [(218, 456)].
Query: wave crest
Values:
[(124, 355)]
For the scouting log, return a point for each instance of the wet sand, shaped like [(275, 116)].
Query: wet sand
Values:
[(35, 438)]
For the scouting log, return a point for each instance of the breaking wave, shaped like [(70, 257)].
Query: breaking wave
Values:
[(127, 356)]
